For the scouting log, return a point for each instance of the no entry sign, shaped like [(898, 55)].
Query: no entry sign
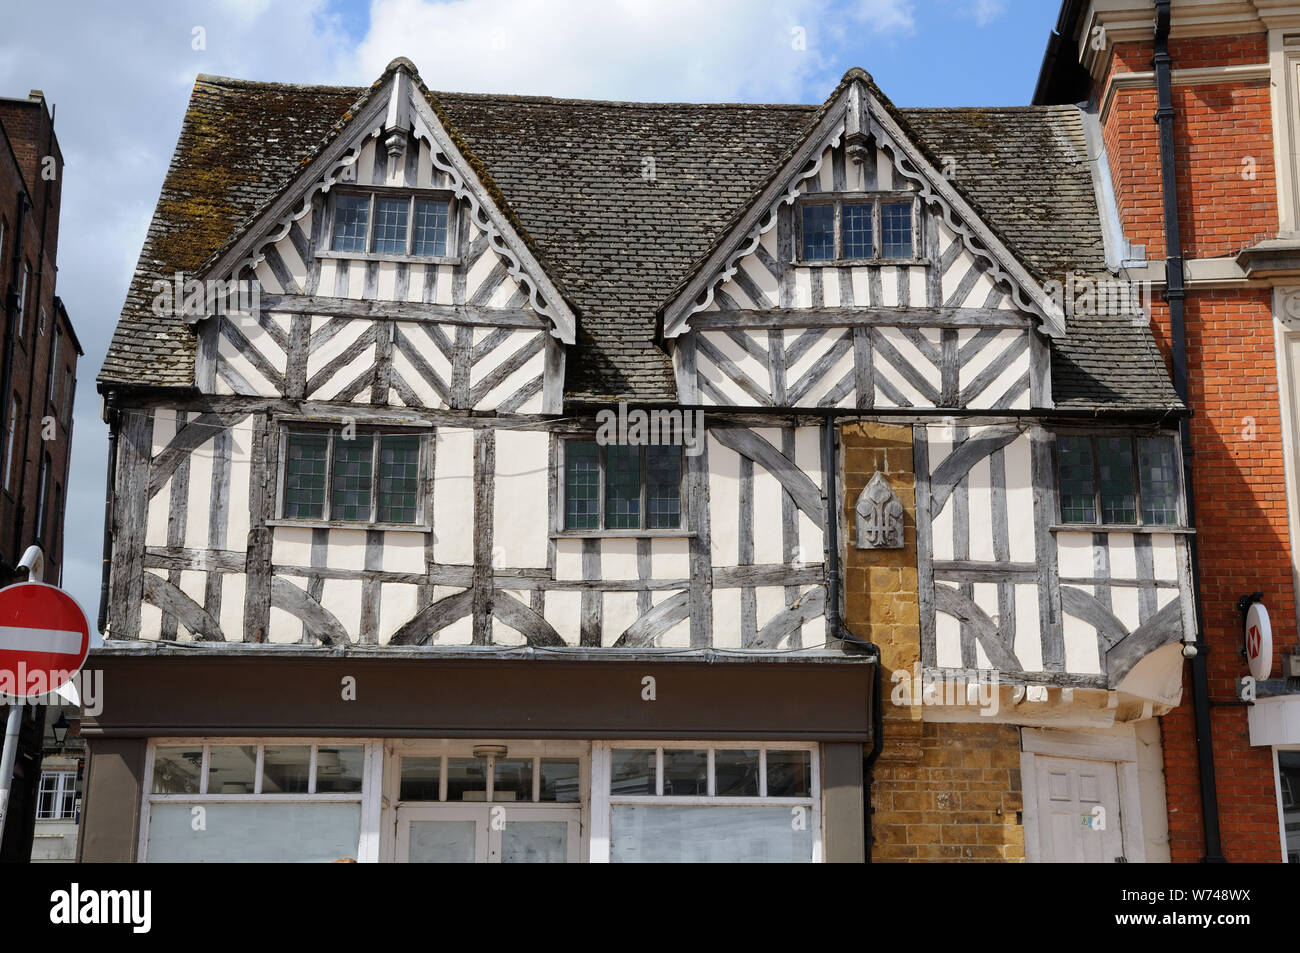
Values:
[(44, 639)]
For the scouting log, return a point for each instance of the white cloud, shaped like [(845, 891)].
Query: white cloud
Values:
[(984, 12), (672, 50), (121, 78)]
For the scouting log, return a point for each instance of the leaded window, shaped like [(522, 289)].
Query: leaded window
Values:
[(391, 224), (857, 229), (361, 477), (1118, 480), (622, 487)]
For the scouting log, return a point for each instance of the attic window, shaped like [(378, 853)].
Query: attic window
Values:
[(391, 225), (836, 230)]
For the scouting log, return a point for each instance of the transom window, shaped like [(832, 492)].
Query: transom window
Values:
[(364, 477), (448, 778), (621, 487), (879, 228), (1118, 480), (386, 224)]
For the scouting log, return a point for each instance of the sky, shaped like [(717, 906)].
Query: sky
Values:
[(120, 76)]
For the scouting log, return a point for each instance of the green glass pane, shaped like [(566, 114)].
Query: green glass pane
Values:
[(304, 479), (622, 487), (1158, 471), (581, 485), (1078, 493), (399, 478), (1115, 470), (663, 487), (350, 499)]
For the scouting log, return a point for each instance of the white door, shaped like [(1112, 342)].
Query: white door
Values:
[(488, 833), (1079, 818)]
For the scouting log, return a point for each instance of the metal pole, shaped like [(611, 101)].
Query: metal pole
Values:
[(34, 561)]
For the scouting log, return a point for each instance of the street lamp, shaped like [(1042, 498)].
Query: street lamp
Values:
[(60, 729)]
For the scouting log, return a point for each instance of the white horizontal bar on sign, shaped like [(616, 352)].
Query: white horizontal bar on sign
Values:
[(23, 639)]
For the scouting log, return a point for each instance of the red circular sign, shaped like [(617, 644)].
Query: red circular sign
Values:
[(44, 639)]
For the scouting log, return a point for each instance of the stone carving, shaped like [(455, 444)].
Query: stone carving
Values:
[(879, 516)]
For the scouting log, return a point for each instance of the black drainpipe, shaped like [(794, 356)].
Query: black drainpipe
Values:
[(1175, 294), (114, 420), (842, 632)]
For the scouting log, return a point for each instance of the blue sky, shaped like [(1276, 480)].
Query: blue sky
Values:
[(120, 76)]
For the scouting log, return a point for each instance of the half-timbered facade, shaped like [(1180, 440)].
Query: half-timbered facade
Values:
[(490, 449)]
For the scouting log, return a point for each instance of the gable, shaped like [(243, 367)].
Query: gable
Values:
[(882, 157), (376, 149)]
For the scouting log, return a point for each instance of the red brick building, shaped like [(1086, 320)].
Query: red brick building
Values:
[(38, 371), (1229, 227)]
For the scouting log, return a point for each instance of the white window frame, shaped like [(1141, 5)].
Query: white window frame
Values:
[(11, 436), (368, 797), (516, 750), (64, 789), (1281, 807), (602, 800)]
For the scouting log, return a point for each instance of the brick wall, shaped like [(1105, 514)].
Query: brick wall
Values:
[(941, 791), (24, 128), (1244, 547), (1238, 477), (1225, 203)]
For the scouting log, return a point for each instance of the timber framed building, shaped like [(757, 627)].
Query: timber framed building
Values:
[(378, 565)]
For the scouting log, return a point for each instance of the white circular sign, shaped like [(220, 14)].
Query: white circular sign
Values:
[(1259, 641)]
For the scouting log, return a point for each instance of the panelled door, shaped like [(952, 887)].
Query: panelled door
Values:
[(1079, 818), (488, 833)]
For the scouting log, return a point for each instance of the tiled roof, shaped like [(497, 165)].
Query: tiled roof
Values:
[(619, 200)]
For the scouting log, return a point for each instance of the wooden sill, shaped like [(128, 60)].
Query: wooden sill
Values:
[(1118, 528), (372, 256), (340, 524), (622, 534), (864, 263)]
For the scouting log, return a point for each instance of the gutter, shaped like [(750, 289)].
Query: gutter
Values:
[(1175, 294), (842, 632)]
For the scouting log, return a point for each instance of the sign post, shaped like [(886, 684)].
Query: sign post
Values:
[(44, 640)]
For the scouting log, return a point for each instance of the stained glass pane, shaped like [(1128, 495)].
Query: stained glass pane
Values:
[(1118, 497), (1159, 474), (818, 232), (351, 214), (430, 227), (399, 478), (350, 498), (581, 485), (390, 226), (622, 487), (304, 477), (1078, 493), (857, 231), (896, 229), (664, 487)]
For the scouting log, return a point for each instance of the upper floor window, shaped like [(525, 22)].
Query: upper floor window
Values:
[(619, 487), (56, 797), (22, 298), (1118, 480), (380, 223), (879, 228), (11, 438), (364, 477)]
